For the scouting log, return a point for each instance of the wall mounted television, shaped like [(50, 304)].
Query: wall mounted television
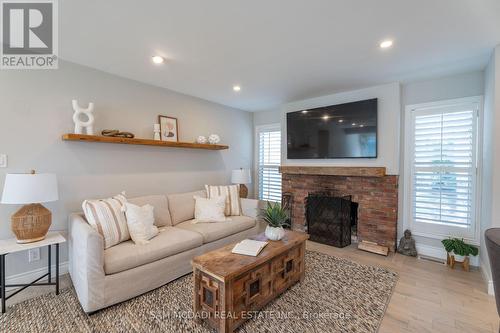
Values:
[(346, 130)]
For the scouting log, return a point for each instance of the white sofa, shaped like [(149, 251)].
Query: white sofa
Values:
[(105, 277)]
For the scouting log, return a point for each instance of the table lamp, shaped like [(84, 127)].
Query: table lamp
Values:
[(242, 177), (30, 223)]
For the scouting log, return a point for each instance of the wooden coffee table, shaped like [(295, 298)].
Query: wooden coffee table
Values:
[(229, 287)]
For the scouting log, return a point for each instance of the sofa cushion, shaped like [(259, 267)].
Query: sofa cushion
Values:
[(160, 204), (217, 230), (169, 241), (182, 205)]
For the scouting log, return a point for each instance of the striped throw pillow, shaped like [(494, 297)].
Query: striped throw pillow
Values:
[(232, 193), (107, 217)]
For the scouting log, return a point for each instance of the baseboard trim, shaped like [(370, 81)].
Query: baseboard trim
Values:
[(29, 276), (487, 278)]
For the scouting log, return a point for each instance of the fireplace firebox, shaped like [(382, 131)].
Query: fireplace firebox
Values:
[(331, 218)]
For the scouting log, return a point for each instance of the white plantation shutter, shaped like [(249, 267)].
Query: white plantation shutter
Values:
[(269, 159), (443, 175)]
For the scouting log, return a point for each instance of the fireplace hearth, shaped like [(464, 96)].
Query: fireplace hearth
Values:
[(330, 218)]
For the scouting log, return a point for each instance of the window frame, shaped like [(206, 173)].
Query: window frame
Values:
[(258, 130), (442, 232)]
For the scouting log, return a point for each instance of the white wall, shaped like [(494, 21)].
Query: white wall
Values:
[(35, 111), (490, 211), (389, 106)]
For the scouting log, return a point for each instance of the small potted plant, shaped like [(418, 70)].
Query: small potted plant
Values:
[(275, 217), (459, 249)]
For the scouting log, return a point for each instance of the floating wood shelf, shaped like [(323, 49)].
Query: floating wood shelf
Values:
[(334, 171), (144, 142)]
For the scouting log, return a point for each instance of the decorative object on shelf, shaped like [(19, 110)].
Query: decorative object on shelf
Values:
[(80, 113), (459, 251), (201, 140), (287, 204), (242, 176), (117, 134), (407, 245), (156, 131), (213, 139), (275, 217), (169, 128), (30, 223)]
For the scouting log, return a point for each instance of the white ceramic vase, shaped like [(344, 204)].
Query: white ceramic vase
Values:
[(274, 234)]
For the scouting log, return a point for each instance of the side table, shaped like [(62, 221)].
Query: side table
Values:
[(11, 246)]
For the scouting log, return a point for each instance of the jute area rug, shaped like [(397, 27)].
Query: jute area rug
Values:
[(337, 295)]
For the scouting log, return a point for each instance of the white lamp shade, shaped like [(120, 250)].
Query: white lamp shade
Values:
[(29, 188), (241, 176)]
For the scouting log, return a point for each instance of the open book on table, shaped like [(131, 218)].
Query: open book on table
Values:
[(249, 247)]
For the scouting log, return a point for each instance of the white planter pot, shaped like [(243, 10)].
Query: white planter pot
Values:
[(274, 234), (458, 258)]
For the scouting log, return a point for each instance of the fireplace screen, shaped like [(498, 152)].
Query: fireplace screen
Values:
[(330, 217)]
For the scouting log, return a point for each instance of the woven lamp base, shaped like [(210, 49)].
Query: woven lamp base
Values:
[(31, 223)]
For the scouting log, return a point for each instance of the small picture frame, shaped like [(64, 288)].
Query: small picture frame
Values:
[(169, 129)]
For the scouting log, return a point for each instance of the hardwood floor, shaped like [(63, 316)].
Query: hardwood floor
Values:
[(429, 297)]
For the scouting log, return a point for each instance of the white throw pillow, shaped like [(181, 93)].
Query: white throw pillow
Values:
[(232, 194), (140, 221), (209, 210), (107, 218)]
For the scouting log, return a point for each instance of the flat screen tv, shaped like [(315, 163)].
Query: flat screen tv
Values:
[(346, 130)]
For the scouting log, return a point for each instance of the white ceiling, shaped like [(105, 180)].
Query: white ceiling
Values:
[(278, 51)]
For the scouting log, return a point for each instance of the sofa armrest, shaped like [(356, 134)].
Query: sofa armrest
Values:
[(251, 207), (86, 262)]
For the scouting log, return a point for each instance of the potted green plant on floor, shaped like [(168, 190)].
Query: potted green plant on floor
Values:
[(459, 249), (275, 217)]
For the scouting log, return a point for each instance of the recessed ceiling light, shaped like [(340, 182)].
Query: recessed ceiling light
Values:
[(341, 120), (353, 124), (386, 44), (158, 60), (304, 111), (361, 125), (325, 117), (236, 88)]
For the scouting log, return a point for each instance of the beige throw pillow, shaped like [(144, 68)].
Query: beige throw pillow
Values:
[(232, 193), (140, 222), (107, 218), (209, 210)]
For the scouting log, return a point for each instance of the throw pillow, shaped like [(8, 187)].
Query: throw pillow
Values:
[(209, 210), (232, 193), (107, 218), (140, 222)]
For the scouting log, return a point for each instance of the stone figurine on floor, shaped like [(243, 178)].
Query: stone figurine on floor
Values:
[(407, 245)]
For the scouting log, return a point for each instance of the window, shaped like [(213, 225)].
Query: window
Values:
[(442, 149), (268, 162)]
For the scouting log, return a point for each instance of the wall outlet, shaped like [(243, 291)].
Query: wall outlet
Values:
[(33, 255), (3, 160)]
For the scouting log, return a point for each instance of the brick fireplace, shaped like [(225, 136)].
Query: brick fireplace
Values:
[(374, 191)]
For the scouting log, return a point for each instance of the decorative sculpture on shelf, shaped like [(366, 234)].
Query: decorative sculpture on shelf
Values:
[(156, 132), (81, 124), (117, 134), (201, 139), (213, 139), (407, 245)]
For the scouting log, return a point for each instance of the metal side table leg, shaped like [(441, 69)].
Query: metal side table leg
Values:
[(57, 269), (49, 259), (2, 281)]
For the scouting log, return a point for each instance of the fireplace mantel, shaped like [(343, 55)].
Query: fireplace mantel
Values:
[(334, 171)]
